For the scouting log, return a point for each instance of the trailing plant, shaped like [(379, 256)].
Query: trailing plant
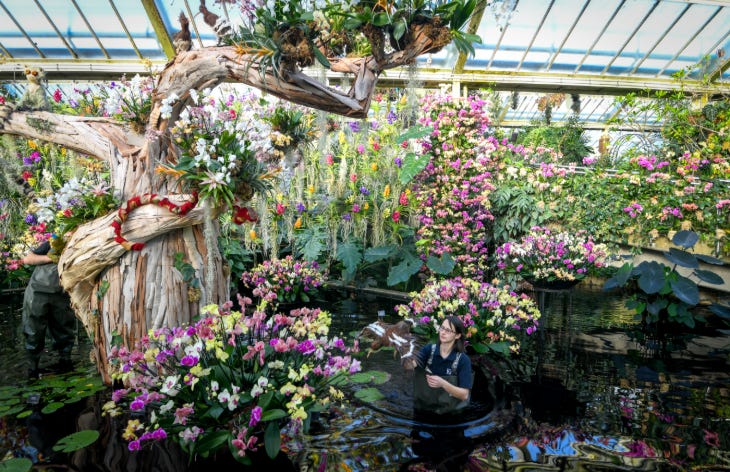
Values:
[(659, 291)]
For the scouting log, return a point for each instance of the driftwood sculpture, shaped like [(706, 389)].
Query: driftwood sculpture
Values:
[(121, 293), (397, 336)]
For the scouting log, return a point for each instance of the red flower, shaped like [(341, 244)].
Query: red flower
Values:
[(243, 214), (68, 212), (57, 95), (396, 216), (27, 175)]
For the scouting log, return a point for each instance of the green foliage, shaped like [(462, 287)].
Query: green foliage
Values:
[(48, 393), (369, 395), (16, 465), (569, 139), (76, 441), (186, 270), (516, 210), (659, 292)]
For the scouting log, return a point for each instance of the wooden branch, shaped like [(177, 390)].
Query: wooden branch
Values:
[(210, 66), (87, 135), (91, 248)]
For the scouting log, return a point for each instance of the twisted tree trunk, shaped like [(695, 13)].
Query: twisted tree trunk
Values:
[(120, 294)]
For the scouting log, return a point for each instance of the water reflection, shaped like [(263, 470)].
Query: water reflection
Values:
[(592, 392)]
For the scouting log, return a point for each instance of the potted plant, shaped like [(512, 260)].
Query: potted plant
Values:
[(659, 292), (551, 259)]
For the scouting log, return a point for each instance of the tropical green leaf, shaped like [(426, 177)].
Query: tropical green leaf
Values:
[(681, 258), (399, 29), (321, 58), (272, 439), (500, 347), (652, 278), (709, 259), (208, 443), (686, 290), (381, 19), (274, 414), (417, 131), (16, 465), (685, 239), (350, 255), (76, 441), (403, 271), (709, 277), (620, 278), (441, 265), (411, 166), (379, 253)]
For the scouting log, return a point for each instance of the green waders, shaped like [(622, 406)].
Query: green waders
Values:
[(46, 307)]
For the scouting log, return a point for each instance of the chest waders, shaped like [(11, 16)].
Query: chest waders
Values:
[(437, 400)]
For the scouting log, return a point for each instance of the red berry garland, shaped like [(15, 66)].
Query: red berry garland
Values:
[(146, 199)]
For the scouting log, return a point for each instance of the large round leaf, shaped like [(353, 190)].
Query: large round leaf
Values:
[(686, 290), (709, 277), (652, 277), (76, 441), (685, 239), (682, 258)]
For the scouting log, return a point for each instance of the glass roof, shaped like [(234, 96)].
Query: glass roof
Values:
[(594, 48)]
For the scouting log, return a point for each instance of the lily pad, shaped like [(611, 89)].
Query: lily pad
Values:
[(373, 376), (369, 395), (74, 442), (16, 465)]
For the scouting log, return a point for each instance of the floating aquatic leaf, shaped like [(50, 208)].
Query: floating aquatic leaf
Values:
[(74, 442)]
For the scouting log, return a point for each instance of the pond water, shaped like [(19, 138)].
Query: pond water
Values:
[(593, 392)]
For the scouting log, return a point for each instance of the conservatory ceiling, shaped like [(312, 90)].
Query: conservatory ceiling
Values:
[(590, 50)]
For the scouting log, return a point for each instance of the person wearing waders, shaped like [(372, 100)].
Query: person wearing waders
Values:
[(46, 307)]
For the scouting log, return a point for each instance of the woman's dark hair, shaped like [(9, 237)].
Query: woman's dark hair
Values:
[(459, 328)]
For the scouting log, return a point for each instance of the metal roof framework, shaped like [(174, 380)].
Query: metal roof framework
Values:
[(594, 49)]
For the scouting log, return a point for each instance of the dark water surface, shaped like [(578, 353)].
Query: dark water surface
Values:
[(593, 392)]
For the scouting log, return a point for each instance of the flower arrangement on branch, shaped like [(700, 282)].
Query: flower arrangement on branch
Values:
[(548, 256), (229, 380), (496, 319), (285, 280), (288, 34), (223, 147)]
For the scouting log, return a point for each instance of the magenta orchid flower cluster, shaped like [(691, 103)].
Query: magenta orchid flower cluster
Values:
[(495, 318), (453, 190), (548, 255), (285, 280), (229, 380)]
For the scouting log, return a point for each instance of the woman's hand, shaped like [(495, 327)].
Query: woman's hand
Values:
[(435, 381)]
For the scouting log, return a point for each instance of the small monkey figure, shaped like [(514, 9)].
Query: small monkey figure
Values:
[(34, 97), (182, 39)]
